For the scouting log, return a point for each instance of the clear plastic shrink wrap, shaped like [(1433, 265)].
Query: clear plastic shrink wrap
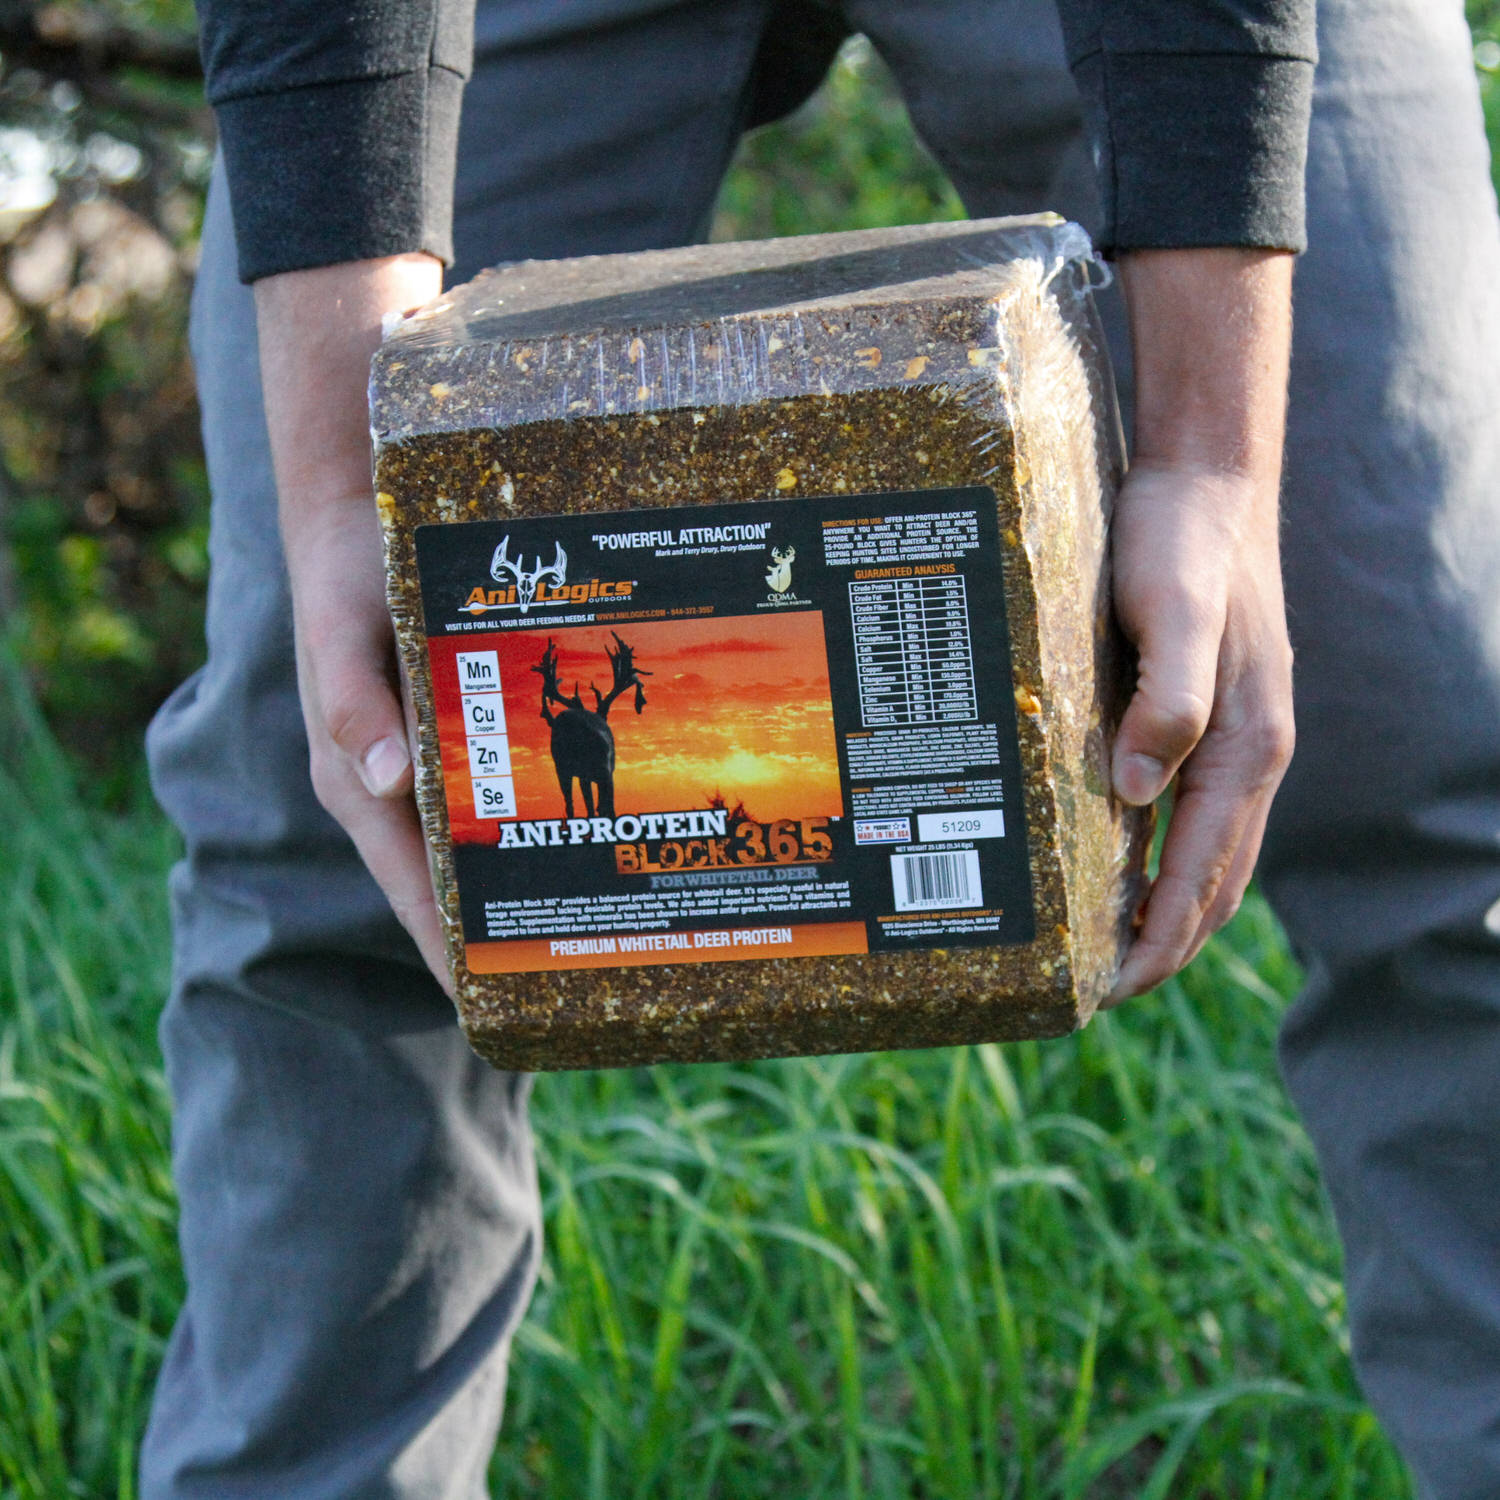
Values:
[(754, 600)]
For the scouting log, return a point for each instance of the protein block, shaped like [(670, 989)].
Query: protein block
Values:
[(754, 601)]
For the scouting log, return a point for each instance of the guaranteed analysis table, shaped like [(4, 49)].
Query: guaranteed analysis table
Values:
[(913, 651)]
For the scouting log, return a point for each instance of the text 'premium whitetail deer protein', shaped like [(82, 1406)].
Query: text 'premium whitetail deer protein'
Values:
[(754, 600)]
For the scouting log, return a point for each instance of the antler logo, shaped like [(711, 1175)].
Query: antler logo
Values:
[(779, 573), (526, 580)]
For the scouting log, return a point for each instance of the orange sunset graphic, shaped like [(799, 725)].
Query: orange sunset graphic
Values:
[(736, 708)]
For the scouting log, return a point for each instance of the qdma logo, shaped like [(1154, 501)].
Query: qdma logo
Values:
[(779, 570), (779, 580), (545, 584)]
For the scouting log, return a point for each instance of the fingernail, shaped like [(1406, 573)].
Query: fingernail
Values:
[(1126, 986), (384, 765), (1140, 778)]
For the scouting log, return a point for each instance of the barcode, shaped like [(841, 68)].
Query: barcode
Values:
[(923, 881)]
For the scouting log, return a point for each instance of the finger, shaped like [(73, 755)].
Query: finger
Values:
[(387, 832), (383, 825), (1224, 796), (1221, 909), (346, 664), (1256, 747), (349, 688), (1177, 631), (388, 836), (1205, 832), (1236, 882)]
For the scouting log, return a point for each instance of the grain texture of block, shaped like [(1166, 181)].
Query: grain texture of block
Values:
[(958, 358)]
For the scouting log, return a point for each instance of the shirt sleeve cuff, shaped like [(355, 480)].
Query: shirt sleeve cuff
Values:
[(1222, 165), (327, 173)]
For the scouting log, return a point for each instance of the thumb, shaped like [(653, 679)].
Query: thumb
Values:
[(348, 670), (1176, 629)]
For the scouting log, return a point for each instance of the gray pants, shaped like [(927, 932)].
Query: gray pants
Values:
[(359, 1207)]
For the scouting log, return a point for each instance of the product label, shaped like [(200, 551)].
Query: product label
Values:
[(728, 731)]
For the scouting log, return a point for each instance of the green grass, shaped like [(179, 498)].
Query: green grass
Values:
[(88, 1266), (1091, 1267)]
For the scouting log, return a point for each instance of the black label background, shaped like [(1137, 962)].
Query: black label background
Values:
[(455, 558)]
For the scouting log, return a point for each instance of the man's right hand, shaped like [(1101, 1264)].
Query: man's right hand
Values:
[(318, 329), (1197, 581)]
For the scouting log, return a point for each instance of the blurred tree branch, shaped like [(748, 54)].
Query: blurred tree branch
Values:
[(70, 41), (91, 49)]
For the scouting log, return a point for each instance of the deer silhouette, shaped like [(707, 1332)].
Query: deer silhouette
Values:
[(583, 745)]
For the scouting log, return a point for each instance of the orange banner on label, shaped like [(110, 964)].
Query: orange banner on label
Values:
[(704, 946)]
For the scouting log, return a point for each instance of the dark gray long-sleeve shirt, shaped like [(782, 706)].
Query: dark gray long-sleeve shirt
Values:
[(339, 121)]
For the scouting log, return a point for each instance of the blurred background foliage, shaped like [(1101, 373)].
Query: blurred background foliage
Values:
[(104, 153), (848, 159), (105, 146), (1484, 22)]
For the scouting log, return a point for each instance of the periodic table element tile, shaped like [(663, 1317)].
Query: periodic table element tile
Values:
[(478, 671), (484, 713), (494, 797), (489, 755)]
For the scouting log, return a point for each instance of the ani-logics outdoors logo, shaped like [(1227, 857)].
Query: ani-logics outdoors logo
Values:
[(546, 583)]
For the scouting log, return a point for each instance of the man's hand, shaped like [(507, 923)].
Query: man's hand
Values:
[(1197, 582), (318, 330)]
